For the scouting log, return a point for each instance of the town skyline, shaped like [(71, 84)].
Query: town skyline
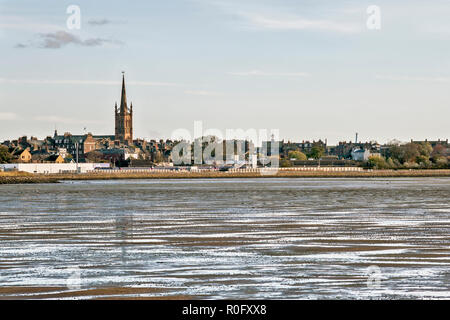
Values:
[(254, 64), (123, 99)]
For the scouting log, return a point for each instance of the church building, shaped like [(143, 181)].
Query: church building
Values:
[(124, 119)]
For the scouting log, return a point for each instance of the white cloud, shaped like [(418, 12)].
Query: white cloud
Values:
[(258, 73), (103, 22), (8, 116), (12, 22), (60, 39), (296, 16), (259, 21)]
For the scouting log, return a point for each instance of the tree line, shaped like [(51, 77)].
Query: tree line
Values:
[(413, 155)]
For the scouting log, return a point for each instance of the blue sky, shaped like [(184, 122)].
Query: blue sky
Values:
[(311, 69)]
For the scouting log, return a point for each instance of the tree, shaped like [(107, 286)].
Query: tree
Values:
[(408, 153), (376, 162), (316, 152), (412, 151), (442, 163), (285, 163), (297, 155), (425, 149), (94, 156), (438, 151), (158, 157), (5, 156), (397, 152), (392, 164), (423, 161)]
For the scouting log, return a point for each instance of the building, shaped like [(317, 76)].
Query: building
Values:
[(79, 145), (22, 155), (54, 158), (434, 143), (345, 149), (360, 154), (124, 119)]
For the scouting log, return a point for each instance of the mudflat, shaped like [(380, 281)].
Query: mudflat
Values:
[(273, 238)]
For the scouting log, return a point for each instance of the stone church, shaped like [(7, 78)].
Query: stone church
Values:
[(124, 119)]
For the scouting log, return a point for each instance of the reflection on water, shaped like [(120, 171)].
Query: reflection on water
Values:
[(237, 238)]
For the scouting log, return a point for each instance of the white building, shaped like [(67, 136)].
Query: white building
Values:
[(360, 154)]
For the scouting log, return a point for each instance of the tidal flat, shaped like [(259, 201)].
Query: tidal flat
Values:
[(265, 238)]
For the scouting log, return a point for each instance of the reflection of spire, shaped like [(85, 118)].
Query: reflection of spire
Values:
[(123, 100)]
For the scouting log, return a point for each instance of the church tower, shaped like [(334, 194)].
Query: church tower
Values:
[(124, 118)]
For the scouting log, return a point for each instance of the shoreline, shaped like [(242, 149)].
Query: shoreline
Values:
[(28, 178)]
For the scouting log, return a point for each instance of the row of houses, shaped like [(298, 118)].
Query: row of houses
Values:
[(68, 148), (89, 148), (343, 151)]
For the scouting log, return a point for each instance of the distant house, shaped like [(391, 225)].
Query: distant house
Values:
[(62, 152), (80, 144), (22, 155), (345, 149), (131, 153), (38, 156), (360, 154), (54, 158)]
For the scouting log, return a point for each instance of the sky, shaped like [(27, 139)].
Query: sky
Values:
[(310, 68)]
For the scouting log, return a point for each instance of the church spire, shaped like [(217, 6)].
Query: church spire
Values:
[(124, 119), (123, 100)]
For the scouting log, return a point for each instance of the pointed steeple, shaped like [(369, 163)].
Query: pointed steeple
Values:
[(124, 118), (123, 100)]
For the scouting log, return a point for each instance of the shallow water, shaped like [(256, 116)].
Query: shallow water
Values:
[(268, 238)]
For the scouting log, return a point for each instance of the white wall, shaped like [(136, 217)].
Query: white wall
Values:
[(54, 167)]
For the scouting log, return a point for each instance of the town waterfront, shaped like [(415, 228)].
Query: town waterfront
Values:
[(283, 238)]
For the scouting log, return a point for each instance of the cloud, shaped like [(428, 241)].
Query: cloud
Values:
[(13, 22), (412, 78), (258, 73), (200, 93), (8, 116), (99, 22), (87, 82), (102, 22), (314, 16), (59, 39), (259, 21)]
